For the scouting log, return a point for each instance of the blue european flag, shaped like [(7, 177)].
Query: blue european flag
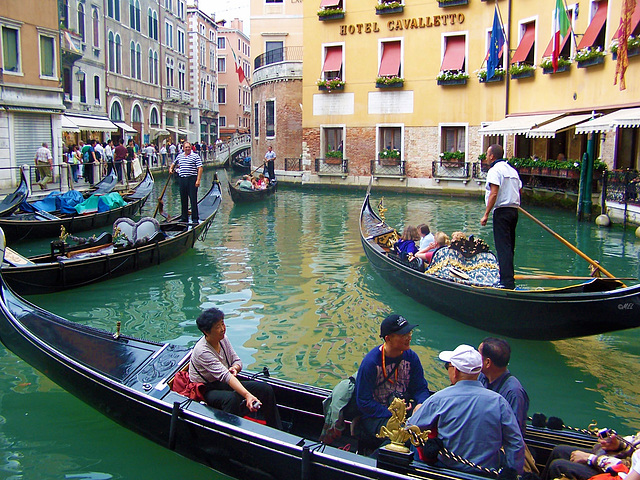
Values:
[(496, 43)]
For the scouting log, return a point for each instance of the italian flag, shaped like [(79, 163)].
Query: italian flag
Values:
[(561, 27), (239, 69)]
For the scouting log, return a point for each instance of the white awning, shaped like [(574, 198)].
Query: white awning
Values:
[(68, 125), (125, 127), (159, 131), (173, 129), (93, 124), (625, 118), (550, 129), (183, 132), (516, 125)]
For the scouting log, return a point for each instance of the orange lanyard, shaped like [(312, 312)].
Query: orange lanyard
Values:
[(384, 368)]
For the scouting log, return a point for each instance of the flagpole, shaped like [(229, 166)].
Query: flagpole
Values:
[(507, 42)]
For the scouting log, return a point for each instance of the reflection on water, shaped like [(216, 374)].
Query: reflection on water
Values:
[(301, 299)]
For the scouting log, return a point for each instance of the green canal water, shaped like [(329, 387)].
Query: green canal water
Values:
[(301, 299)]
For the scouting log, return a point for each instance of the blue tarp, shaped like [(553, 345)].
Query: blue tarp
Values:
[(101, 203), (55, 201)]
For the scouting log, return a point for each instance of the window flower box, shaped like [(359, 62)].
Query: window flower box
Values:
[(588, 57), (330, 14), (389, 82), (498, 76), (631, 52), (521, 70), (564, 65), (452, 3), (386, 8), (633, 47), (452, 77), (330, 85), (389, 157)]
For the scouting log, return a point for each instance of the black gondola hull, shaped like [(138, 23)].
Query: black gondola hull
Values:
[(249, 196), (527, 314), (12, 201)]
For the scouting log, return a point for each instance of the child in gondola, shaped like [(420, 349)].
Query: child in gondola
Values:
[(426, 254), (407, 243)]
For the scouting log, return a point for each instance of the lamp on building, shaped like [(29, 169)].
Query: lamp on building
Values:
[(80, 75)]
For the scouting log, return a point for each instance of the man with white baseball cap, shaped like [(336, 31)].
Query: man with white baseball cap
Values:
[(472, 421)]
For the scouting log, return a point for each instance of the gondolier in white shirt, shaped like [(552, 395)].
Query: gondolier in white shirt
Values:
[(190, 171)]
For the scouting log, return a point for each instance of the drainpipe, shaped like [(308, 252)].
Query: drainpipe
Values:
[(507, 51)]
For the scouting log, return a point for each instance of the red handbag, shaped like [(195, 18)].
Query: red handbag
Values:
[(184, 386)]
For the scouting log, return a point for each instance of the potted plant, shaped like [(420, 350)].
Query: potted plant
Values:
[(588, 57), (330, 14), (633, 47), (389, 81), (521, 70), (330, 84), (452, 159), (389, 157), (333, 157), (387, 7), (452, 3), (599, 168), (564, 64), (452, 77), (498, 75)]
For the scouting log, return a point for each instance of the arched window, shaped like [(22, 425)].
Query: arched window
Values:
[(138, 62), (132, 14), (154, 118), (96, 29), (155, 68), (136, 115), (137, 15), (116, 4), (169, 72), (132, 58), (112, 53), (118, 54), (81, 21), (116, 112), (65, 13), (150, 23), (155, 25), (96, 89), (151, 66)]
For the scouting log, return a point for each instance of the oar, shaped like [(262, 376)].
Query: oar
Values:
[(259, 167), (561, 277), (160, 202), (566, 243)]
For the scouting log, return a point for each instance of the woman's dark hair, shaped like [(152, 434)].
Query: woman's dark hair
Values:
[(424, 229), (208, 319)]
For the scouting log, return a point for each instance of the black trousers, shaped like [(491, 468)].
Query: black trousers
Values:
[(559, 464), (271, 169), (505, 220), (118, 164), (88, 173), (221, 395), (189, 193)]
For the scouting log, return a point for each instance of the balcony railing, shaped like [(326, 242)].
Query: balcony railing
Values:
[(283, 54), (332, 166), (293, 164), (480, 171), (388, 168), (451, 170), (186, 97), (172, 94)]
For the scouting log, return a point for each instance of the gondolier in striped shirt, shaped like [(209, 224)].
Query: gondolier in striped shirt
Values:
[(190, 170)]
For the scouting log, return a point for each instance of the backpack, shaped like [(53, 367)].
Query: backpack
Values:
[(339, 406)]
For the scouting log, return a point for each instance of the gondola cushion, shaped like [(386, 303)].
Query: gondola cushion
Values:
[(450, 264)]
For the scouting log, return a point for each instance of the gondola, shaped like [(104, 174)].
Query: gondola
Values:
[(130, 381), (242, 165), (11, 202), (19, 226), (69, 267), (247, 196), (597, 306)]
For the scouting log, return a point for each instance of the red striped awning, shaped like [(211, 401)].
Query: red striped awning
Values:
[(593, 30), (333, 60), (526, 43), (454, 53), (549, 51), (390, 62)]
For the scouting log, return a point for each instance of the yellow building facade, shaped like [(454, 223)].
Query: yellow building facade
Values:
[(381, 77)]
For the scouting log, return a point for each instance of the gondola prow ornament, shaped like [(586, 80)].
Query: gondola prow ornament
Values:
[(397, 430)]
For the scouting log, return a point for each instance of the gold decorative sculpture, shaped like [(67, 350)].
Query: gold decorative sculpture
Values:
[(63, 234), (397, 430), (381, 209)]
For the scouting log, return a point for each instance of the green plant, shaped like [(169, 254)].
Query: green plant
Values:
[(333, 154), (449, 156), (547, 62), (325, 12), (452, 75), (589, 53), (521, 67), (331, 83), (390, 80), (598, 164), (388, 5), (482, 157), (482, 73), (389, 153), (632, 42)]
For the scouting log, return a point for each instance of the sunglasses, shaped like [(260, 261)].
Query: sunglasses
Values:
[(447, 365)]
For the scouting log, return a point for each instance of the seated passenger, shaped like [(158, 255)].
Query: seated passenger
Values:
[(426, 254), (458, 236), (426, 237), (262, 184), (245, 183), (215, 363), (407, 243), (389, 370)]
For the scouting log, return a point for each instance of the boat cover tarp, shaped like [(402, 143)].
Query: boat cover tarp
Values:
[(101, 203), (450, 264), (55, 201)]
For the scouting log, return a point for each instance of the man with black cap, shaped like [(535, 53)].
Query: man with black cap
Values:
[(389, 370), (472, 421)]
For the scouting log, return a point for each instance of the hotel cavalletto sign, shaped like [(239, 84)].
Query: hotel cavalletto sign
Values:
[(404, 24)]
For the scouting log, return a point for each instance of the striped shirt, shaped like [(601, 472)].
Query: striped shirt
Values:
[(188, 164)]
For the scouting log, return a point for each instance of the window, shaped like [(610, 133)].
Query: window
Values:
[(111, 53), (154, 118), (47, 56), (274, 52), (212, 59), (10, 49), (170, 72), (270, 118), (332, 140), (132, 57), (453, 139), (83, 90), (203, 58), (211, 36), (222, 121), (168, 4), (390, 59), (526, 51), (222, 95), (454, 53), (138, 62), (332, 64), (116, 112), (118, 54), (565, 45), (96, 28), (180, 41), (116, 7), (181, 9), (132, 14), (181, 76), (137, 15), (222, 64), (594, 36), (239, 46), (389, 138), (627, 151), (222, 42), (151, 68), (156, 69), (136, 115), (96, 89), (66, 83), (168, 34), (110, 8), (150, 23), (65, 13), (155, 25), (81, 21), (274, 1), (256, 119)]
